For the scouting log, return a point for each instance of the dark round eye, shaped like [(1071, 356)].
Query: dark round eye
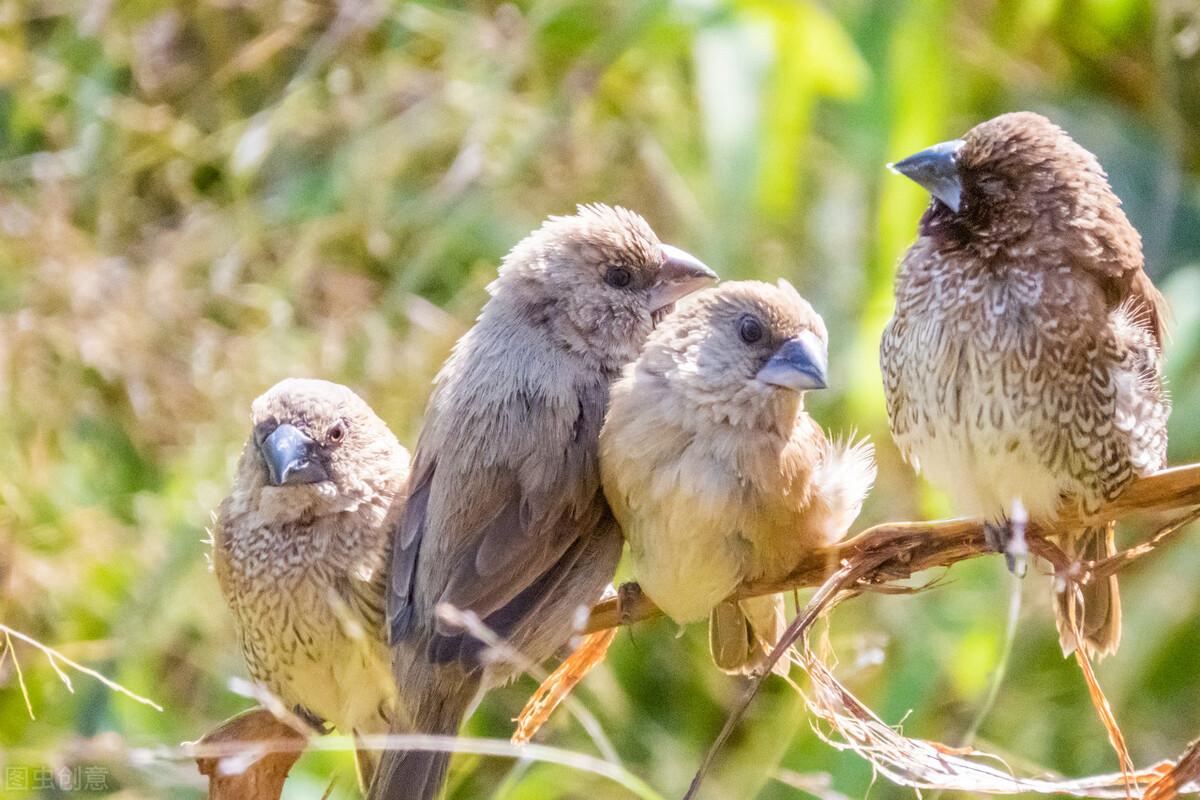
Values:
[(337, 432), (264, 429), (618, 277), (750, 330)]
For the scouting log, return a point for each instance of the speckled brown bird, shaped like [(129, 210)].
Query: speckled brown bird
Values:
[(714, 470), (506, 518), (300, 550), (1023, 364)]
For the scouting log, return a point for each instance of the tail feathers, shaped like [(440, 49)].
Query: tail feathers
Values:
[(365, 762), (439, 704), (742, 633), (1095, 609)]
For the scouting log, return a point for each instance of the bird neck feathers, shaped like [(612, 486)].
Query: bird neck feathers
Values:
[(528, 317), (1052, 225)]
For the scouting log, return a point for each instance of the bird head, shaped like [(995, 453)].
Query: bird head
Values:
[(1014, 176), (745, 352), (599, 280), (317, 447)]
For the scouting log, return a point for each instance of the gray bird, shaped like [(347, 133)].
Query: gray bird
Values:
[(714, 470), (506, 518), (301, 549)]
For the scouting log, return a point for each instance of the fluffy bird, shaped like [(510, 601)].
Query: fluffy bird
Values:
[(506, 519), (1023, 363), (714, 470), (301, 553)]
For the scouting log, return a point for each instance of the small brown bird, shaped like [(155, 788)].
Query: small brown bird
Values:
[(506, 518), (1023, 363), (714, 470), (301, 548)]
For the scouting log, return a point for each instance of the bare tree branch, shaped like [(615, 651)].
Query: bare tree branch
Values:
[(897, 550)]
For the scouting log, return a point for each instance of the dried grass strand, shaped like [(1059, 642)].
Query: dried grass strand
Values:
[(53, 656)]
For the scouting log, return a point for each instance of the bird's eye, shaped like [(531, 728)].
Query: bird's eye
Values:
[(337, 432), (618, 277), (991, 185), (262, 430), (750, 330)]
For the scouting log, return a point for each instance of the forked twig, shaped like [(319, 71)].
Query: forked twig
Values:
[(54, 657)]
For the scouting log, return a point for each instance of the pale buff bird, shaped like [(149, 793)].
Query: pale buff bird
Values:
[(714, 470), (506, 518), (1023, 363), (301, 548)]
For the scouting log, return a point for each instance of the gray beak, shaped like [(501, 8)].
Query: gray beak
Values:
[(798, 364), (680, 275), (290, 457), (936, 169)]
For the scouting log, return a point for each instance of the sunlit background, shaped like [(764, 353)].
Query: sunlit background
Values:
[(200, 198)]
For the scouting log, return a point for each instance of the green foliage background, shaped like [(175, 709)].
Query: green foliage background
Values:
[(200, 198)]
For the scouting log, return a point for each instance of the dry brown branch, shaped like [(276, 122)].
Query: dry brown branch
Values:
[(257, 766), (897, 550), (1181, 779), (892, 551)]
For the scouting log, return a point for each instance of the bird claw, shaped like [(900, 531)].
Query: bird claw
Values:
[(1002, 538), (319, 725), (628, 596)]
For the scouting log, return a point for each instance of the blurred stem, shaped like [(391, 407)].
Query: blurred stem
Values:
[(1010, 636)]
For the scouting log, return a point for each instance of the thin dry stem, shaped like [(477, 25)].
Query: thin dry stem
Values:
[(53, 656)]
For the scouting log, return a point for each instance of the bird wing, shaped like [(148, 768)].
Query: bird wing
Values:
[(1125, 283), (364, 601), (505, 548)]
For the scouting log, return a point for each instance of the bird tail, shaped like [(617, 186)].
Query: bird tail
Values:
[(439, 698), (1095, 611), (742, 633), (365, 762)]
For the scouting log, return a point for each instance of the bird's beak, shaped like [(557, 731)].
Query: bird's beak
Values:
[(936, 169), (290, 458), (798, 364), (680, 275)]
